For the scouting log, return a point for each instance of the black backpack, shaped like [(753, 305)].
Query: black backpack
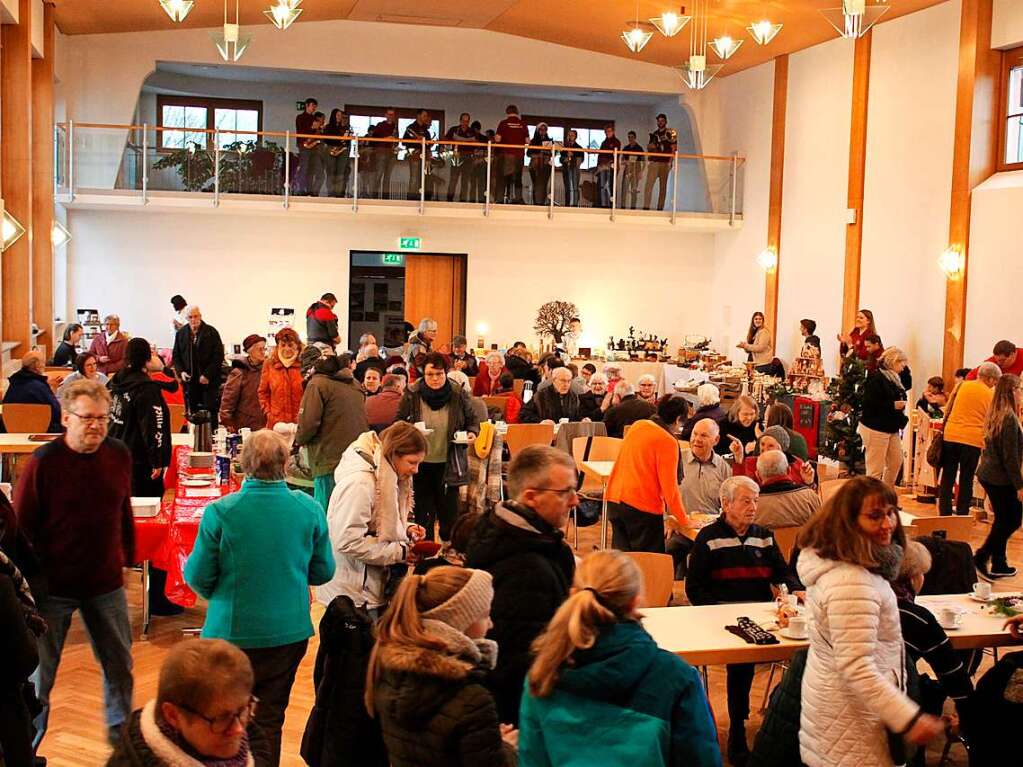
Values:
[(952, 569)]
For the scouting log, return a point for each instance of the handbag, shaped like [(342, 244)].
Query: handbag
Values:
[(937, 445), (456, 470)]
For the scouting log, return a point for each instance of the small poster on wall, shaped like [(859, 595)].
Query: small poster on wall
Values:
[(280, 317)]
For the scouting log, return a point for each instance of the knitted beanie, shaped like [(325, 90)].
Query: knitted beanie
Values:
[(468, 604), (780, 436)]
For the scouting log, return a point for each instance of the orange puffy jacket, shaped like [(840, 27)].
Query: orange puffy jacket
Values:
[(280, 391)]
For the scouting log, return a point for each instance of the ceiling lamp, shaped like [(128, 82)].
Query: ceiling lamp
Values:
[(725, 46), (695, 72), (177, 9), (284, 13), (11, 231), (230, 43), (768, 259), (59, 235), (670, 23), (854, 18), (952, 262), (763, 31), (637, 33)]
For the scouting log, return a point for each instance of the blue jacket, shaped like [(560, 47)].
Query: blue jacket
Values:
[(624, 703), (28, 388), (257, 552)]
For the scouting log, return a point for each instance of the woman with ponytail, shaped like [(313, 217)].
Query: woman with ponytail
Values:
[(424, 680), (596, 664)]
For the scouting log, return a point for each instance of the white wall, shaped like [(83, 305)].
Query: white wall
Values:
[(814, 193), (910, 136), (236, 266), (1007, 24)]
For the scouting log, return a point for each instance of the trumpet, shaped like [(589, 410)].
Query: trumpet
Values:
[(672, 135)]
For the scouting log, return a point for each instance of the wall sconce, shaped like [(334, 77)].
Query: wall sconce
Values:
[(768, 259), (10, 231), (59, 235), (952, 262), (481, 332)]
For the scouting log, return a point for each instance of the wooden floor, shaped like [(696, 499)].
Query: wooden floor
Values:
[(77, 733)]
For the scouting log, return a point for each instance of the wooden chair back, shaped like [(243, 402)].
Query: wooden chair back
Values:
[(177, 418), (658, 577), (601, 449), (500, 403), (26, 419), (785, 537), (956, 528), (517, 386), (522, 435)]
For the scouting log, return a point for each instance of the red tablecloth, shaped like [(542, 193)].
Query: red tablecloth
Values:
[(167, 539)]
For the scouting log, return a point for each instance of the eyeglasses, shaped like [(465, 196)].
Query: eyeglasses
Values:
[(219, 725), (566, 492), (879, 516), (92, 420)]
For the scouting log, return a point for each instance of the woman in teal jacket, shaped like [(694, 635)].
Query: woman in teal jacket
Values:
[(257, 553), (595, 664)]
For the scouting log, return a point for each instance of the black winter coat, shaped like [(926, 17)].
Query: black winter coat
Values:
[(435, 712), (777, 741), (879, 398), (140, 418), (339, 730), (203, 358), (626, 413), (18, 659), (532, 568), (461, 416)]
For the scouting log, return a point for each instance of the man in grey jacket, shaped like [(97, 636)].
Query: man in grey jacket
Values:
[(783, 503)]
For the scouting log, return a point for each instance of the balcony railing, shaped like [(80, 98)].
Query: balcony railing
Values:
[(133, 160)]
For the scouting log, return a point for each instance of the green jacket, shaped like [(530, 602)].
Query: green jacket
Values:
[(331, 417), (641, 706), (257, 552)]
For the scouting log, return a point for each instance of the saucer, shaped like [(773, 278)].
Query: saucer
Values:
[(983, 600), (951, 627), (795, 637)]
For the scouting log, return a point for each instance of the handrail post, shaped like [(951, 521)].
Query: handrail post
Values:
[(145, 163), (287, 169), (355, 180), (422, 174), (490, 170), (735, 168), (614, 184), (550, 185), (71, 159), (674, 186), (216, 168)]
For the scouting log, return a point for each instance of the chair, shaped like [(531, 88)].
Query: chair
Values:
[(26, 419), (499, 403), (517, 386), (658, 576), (177, 418), (601, 449), (785, 537), (522, 435), (956, 528)]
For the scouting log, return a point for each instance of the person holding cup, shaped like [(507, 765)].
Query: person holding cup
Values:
[(884, 416)]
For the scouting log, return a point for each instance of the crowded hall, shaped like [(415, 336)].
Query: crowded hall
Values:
[(511, 384)]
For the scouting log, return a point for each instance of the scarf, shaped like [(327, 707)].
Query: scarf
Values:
[(889, 561), (481, 653), (892, 376), (435, 398), (35, 622), (173, 750)]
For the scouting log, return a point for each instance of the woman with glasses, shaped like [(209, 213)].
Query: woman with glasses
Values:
[(854, 688), (86, 366), (203, 712)]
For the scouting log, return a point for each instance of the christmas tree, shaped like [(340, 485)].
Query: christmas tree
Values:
[(841, 442)]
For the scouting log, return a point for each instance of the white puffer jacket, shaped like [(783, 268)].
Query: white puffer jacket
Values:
[(851, 687)]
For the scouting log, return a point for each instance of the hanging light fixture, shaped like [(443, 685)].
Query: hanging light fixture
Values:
[(768, 259), (11, 231), (177, 9), (230, 43), (59, 235), (637, 33), (284, 13), (724, 46), (763, 31), (670, 23), (695, 72), (952, 262), (854, 18)]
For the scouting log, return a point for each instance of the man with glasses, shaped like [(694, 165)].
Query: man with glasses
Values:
[(203, 712), (73, 503), (521, 545)]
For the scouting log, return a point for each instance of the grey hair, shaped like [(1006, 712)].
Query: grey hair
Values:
[(646, 377), (558, 371), (427, 324), (494, 355), (83, 387), (365, 337), (893, 355), (112, 317), (989, 370), (458, 377), (265, 455), (623, 389), (730, 485), (612, 367), (599, 378), (531, 466), (192, 308), (707, 394), (916, 560), (772, 463)]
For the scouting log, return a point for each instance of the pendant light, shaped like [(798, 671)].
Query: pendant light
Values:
[(696, 73), (763, 31), (230, 43), (854, 18), (637, 34), (284, 13), (725, 45), (670, 23), (177, 9)]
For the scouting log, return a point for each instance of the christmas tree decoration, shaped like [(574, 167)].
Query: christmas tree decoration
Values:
[(841, 442)]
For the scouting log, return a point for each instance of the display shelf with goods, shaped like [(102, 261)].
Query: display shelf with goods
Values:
[(91, 324), (806, 375), (841, 440)]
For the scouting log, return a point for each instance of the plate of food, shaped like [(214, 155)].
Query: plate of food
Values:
[(1009, 606)]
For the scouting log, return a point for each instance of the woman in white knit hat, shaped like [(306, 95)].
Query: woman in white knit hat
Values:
[(425, 674)]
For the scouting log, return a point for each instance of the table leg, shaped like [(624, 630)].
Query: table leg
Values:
[(603, 516), (145, 601)]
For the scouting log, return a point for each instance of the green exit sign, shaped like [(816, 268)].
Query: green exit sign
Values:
[(410, 243), (394, 259)]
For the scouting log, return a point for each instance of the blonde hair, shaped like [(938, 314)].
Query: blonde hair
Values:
[(400, 439), (742, 401), (891, 356), (916, 560), (402, 621), (604, 589), (1003, 407)]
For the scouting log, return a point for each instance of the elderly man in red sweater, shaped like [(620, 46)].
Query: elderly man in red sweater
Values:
[(645, 480), (73, 503)]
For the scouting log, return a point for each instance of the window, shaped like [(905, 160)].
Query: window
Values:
[(590, 133), (195, 115), (1012, 92), (362, 118)]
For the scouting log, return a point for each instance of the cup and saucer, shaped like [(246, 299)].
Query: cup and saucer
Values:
[(797, 629), (950, 618), (981, 592)]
